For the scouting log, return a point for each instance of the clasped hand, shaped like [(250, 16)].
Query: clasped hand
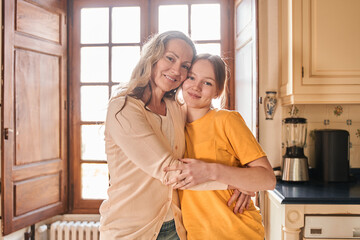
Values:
[(194, 172)]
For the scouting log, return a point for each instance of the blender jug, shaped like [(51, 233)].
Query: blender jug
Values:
[(295, 163)]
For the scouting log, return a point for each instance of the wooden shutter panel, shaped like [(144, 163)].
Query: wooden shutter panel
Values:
[(34, 140)]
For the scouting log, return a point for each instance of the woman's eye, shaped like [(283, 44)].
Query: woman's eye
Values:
[(170, 58), (190, 78), (186, 67)]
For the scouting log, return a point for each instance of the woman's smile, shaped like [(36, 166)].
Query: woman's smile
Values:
[(170, 78)]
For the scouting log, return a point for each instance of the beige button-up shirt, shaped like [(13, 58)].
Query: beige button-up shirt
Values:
[(137, 152)]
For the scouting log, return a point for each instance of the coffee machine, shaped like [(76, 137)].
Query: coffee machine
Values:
[(295, 163), (332, 160)]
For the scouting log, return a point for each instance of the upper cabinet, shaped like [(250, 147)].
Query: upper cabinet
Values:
[(320, 43)]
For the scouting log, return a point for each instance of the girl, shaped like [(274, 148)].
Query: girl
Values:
[(229, 153)]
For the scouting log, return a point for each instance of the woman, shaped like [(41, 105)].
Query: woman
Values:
[(230, 155), (144, 133)]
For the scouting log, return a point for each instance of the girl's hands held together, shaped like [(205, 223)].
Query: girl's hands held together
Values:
[(192, 173), (242, 199)]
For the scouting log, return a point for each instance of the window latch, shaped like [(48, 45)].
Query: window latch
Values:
[(6, 133)]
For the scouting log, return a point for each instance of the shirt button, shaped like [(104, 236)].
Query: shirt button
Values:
[(176, 147)]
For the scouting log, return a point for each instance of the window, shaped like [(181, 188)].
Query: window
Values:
[(106, 39)]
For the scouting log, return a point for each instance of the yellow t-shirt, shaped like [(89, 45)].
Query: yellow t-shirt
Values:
[(220, 136)]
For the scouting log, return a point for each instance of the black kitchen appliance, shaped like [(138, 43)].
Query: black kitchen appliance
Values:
[(332, 155)]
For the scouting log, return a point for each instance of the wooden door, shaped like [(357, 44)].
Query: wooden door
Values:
[(34, 177), (246, 67)]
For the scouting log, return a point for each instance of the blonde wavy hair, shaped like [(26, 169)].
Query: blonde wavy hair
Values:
[(152, 51)]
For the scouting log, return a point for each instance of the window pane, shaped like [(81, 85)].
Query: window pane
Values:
[(212, 48), (205, 22), (173, 17), (92, 142), (94, 64), (115, 90), (94, 25), (94, 100), (126, 25), (94, 181), (216, 103), (124, 60)]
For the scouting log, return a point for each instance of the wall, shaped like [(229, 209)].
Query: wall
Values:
[(331, 116), (269, 74)]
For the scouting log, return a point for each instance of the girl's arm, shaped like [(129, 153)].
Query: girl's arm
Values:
[(256, 172)]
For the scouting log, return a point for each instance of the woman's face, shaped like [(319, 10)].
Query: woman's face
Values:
[(200, 87), (172, 69)]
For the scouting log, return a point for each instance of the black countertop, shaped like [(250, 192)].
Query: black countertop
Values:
[(318, 192)]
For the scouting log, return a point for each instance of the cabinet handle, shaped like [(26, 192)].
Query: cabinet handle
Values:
[(356, 232)]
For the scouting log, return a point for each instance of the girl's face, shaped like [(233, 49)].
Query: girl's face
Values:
[(200, 87), (172, 69)]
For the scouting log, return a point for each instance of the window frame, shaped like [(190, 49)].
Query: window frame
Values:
[(149, 25)]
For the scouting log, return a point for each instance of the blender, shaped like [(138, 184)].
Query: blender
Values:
[(295, 163)]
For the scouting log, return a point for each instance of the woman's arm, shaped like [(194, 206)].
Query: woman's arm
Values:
[(257, 176), (128, 127), (131, 131)]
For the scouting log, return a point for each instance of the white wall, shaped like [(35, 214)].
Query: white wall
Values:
[(269, 76)]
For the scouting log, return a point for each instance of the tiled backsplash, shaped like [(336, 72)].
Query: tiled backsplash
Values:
[(339, 116)]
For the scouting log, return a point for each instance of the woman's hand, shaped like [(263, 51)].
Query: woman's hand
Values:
[(242, 199), (192, 172)]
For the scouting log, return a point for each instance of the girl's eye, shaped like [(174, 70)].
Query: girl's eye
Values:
[(208, 83), (190, 78)]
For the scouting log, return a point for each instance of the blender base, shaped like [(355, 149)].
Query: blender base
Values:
[(295, 169)]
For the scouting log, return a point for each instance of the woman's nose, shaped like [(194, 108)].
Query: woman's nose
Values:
[(175, 69)]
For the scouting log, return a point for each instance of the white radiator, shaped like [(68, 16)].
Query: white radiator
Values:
[(70, 230)]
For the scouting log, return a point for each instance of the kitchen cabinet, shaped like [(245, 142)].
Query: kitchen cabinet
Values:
[(285, 208), (320, 51)]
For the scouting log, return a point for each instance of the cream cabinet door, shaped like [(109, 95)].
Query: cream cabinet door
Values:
[(331, 42), (320, 51)]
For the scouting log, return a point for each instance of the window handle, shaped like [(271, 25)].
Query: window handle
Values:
[(6, 133)]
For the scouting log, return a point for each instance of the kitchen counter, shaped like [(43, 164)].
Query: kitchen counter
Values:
[(318, 192), (285, 208)]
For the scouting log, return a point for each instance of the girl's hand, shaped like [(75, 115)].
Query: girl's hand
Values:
[(243, 200), (192, 172)]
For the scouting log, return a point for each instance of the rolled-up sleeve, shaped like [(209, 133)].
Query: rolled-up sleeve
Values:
[(130, 129)]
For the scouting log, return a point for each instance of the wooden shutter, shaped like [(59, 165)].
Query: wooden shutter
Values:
[(34, 140)]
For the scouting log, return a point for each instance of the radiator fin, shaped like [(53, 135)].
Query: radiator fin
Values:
[(74, 230)]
